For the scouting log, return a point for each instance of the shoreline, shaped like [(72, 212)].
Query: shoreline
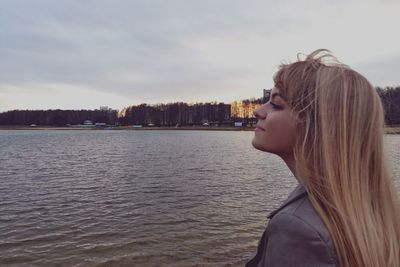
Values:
[(130, 128), (388, 130)]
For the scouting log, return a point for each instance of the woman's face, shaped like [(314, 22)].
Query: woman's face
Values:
[(276, 127)]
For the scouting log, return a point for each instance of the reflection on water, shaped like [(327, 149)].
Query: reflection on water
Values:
[(137, 198)]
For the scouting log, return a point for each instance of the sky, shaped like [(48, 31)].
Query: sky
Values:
[(85, 54)]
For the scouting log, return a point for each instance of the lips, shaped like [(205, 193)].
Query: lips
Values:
[(259, 128)]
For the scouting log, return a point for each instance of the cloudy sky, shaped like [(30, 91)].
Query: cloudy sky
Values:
[(84, 54)]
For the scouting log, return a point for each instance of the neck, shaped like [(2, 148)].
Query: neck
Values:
[(291, 163)]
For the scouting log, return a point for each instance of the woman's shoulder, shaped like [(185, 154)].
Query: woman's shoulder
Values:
[(302, 212), (296, 223), (295, 236), (301, 216)]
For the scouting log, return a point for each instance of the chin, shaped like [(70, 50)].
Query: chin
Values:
[(258, 145), (262, 146)]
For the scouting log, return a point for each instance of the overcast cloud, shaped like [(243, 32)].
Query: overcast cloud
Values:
[(83, 54)]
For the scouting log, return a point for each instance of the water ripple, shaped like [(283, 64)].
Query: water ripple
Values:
[(138, 198)]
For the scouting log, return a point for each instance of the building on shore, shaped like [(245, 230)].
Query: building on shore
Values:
[(266, 95)]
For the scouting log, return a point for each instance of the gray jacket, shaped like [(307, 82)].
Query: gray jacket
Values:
[(295, 236)]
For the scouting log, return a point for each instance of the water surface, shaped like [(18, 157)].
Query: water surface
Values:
[(138, 198)]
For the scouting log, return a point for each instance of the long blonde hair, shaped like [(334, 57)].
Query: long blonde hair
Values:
[(340, 159)]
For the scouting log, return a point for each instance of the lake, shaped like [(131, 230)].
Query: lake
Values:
[(138, 198)]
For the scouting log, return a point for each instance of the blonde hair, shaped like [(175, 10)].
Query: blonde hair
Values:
[(340, 159)]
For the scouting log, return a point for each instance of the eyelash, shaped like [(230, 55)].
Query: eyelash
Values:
[(274, 106)]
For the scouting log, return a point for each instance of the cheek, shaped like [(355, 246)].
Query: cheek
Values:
[(283, 133), (279, 137)]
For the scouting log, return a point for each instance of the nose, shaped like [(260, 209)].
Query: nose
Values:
[(260, 112)]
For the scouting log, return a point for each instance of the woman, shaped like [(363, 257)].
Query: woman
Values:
[(326, 121)]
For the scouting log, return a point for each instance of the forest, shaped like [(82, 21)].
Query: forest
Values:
[(171, 114)]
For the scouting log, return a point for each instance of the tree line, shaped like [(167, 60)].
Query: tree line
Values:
[(390, 97), (172, 114), (57, 117), (176, 114)]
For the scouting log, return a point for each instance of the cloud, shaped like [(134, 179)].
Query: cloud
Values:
[(161, 51), (382, 71), (56, 96)]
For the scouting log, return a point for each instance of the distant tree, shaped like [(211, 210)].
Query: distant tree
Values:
[(390, 97), (172, 113), (56, 117)]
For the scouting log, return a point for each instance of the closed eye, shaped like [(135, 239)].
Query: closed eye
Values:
[(275, 106)]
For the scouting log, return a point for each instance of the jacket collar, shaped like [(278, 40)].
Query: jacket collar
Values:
[(296, 194)]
